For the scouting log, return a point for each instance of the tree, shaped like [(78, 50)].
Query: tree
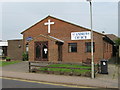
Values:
[(117, 42)]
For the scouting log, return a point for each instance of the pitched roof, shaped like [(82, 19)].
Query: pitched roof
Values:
[(112, 36), (48, 37), (55, 38), (62, 21), (108, 40)]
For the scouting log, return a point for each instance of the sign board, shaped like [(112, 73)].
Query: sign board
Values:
[(5, 43), (81, 35), (29, 38)]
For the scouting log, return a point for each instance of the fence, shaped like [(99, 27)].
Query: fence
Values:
[(45, 64)]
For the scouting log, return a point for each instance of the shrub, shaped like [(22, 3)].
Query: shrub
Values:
[(25, 56), (8, 58)]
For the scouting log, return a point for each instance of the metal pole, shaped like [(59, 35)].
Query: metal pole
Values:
[(92, 52), (29, 66)]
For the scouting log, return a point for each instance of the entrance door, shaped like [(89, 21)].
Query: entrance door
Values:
[(41, 51), (59, 50)]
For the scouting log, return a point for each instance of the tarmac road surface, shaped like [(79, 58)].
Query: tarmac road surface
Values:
[(19, 83)]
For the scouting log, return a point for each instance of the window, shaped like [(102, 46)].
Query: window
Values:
[(44, 51), (38, 49), (88, 46), (72, 47)]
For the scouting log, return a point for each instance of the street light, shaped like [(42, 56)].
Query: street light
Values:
[(92, 56)]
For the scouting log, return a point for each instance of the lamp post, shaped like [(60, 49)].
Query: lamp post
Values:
[(92, 52)]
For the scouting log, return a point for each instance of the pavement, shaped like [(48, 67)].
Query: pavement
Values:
[(18, 67), (20, 70)]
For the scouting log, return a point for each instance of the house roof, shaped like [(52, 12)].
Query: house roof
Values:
[(62, 21), (15, 40), (108, 40), (112, 36)]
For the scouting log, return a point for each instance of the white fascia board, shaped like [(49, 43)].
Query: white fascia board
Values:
[(56, 39), (3, 43)]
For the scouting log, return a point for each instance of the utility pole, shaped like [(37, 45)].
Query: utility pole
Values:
[(92, 52)]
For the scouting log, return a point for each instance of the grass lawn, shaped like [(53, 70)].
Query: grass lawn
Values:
[(4, 63), (69, 66), (83, 69)]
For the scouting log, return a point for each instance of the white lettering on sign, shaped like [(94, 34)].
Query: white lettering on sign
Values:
[(80, 35)]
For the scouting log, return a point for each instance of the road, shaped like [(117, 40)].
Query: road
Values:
[(7, 83), (19, 83)]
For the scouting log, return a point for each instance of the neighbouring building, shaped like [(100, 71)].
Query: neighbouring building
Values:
[(15, 49), (56, 40), (3, 49), (113, 38)]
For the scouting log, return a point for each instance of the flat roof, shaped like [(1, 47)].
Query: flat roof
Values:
[(3, 43)]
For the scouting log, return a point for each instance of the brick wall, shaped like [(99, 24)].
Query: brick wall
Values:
[(62, 30), (107, 50), (15, 49)]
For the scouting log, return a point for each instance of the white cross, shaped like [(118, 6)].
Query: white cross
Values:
[(48, 23)]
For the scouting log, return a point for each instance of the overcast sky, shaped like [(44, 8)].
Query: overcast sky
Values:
[(18, 16)]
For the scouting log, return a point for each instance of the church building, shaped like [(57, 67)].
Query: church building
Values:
[(56, 40)]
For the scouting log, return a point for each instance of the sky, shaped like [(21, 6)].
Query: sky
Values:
[(15, 17)]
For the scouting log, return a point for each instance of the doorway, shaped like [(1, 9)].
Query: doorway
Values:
[(59, 50), (41, 51)]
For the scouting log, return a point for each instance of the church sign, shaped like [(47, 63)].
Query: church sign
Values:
[(29, 38), (80, 35)]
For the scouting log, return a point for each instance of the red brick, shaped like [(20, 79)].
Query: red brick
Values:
[(62, 30)]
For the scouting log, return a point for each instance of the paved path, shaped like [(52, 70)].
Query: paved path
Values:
[(113, 72), (21, 71), (18, 67)]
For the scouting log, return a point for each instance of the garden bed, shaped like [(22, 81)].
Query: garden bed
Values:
[(65, 69)]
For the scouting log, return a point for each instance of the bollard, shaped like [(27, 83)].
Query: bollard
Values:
[(29, 67)]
